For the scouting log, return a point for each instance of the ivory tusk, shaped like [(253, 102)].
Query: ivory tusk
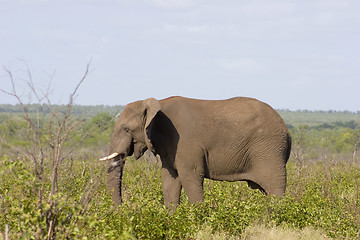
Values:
[(111, 156)]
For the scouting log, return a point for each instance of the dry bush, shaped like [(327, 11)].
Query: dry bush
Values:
[(43, 161), (260, 232)]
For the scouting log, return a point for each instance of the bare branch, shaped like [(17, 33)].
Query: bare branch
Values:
[(13, 93), (48, 89), (47, 138), (87, 72)]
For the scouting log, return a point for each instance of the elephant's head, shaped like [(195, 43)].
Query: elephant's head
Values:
[(131, 136)]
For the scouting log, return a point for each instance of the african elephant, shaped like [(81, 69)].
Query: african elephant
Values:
[(238, 139)]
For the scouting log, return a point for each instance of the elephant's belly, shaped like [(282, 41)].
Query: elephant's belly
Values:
[(223, 167), (229, 177), (226, 171)]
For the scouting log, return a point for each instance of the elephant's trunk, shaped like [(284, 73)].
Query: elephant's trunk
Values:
[(113, 181), (115, 168)]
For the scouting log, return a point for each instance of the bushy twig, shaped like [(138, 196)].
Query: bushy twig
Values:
[(46, 144)]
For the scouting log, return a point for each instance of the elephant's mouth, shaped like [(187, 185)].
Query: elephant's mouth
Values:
[(118, 158)]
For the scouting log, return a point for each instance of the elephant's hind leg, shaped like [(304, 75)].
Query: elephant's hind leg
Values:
[(269, 186), (274, 183), (270, 178)]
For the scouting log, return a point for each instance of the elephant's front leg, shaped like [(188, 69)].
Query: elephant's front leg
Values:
[(171, 187)]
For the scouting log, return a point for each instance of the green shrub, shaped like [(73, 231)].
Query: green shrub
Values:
[(328, 199)]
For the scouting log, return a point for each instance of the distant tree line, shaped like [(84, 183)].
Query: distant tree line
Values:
[(319, 111), (332, 125), (321, 119), (91, 111), (86, 112)]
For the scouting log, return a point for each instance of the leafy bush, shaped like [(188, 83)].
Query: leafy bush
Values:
[(325, 198)]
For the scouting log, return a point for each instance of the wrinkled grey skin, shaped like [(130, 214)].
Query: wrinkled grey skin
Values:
[(239, 139)]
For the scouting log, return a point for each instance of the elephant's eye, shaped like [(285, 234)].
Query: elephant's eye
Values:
[(126, 129)]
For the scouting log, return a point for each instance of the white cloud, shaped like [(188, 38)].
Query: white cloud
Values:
[(266, 8), (246, 65), (184, 28), (173, 4), (196, 29), (333, 4)]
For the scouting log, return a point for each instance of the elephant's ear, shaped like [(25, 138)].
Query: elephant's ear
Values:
[(152, 107)]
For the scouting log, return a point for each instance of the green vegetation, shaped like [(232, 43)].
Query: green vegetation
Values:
[(322, 199), (316, 118), (84, 112), (321, 196)]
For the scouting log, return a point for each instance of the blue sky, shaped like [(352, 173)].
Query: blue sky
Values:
[(290, 54)]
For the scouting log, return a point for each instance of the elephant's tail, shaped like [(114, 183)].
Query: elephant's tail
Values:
[(288, 139)]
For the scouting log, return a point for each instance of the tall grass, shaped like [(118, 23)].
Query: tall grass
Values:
[(320, 196)]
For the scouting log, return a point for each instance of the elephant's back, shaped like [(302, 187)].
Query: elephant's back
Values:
[(230, 116), (237, 110), (236, 104)]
